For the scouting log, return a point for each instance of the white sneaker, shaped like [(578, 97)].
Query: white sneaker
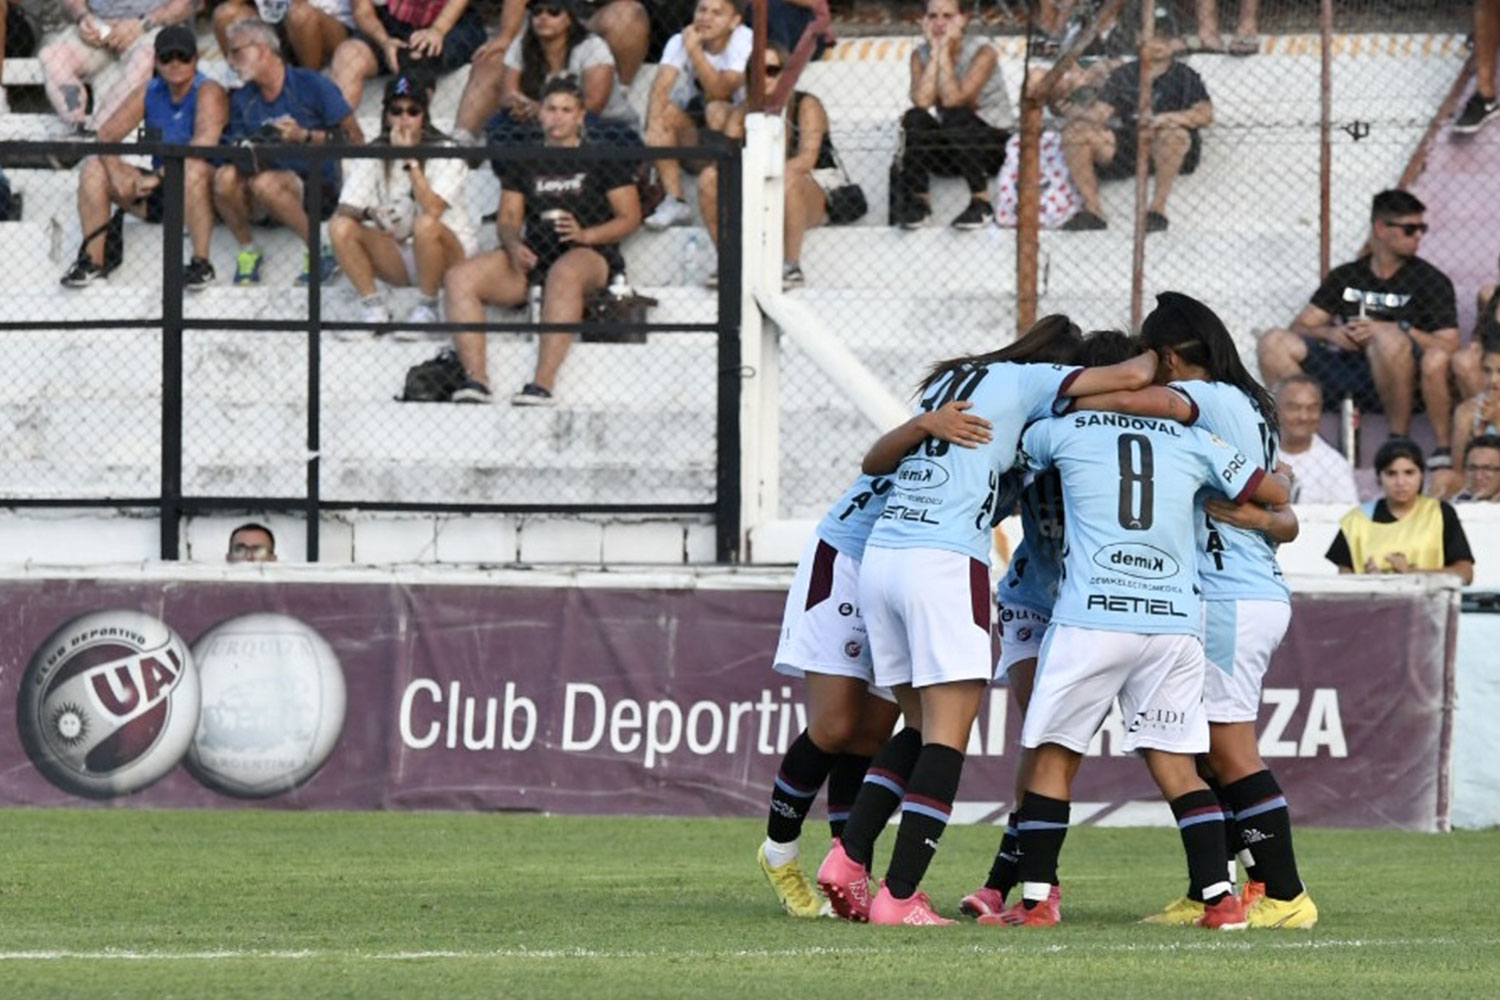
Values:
[(374, 312), (671, 212), (420, 313)]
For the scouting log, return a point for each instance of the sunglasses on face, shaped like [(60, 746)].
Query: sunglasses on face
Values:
[(546, 9), (168, 58), (406, 110), (773, 69), (1409, 228), (240, 550)]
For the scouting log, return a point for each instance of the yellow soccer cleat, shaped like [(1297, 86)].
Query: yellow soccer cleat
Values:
[(793, 888), (1297, 914), (1182, 912)]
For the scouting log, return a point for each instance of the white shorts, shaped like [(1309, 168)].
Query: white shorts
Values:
[(928, 612), (1238, 640), (1021, 631), (1158, 679), (822, 631)]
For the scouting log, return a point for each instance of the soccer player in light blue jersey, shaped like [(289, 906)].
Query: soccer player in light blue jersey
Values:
[(1126, 623), (925, 594), (823, 641)]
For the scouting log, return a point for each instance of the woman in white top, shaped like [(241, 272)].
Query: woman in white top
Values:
[(400, 220), (700, 79), (959, 123)]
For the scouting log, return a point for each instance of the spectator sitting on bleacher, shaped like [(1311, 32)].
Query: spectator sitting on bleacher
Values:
[(960, 122), (281, 104), (560, 226), (1373, 321), (623, 24), (180, 106), (700, 78), (403, 219), (1321, 474), (1246, 40), (1482, 105), (106, 31), (1482, 469), (312, 28), (1100, 137), (251, 542), (555, 42), (425, 38), (812, 175), (1466, 373), (1403, 531), (1475, 417), (17, 38)]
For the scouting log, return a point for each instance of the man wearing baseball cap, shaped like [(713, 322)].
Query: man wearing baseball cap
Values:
[(179, 106)]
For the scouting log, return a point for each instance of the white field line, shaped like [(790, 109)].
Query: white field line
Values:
[(1254, 942)]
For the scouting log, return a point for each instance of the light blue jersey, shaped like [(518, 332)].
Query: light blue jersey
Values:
[(1234, 564), (947, 496), (847, 524), (1129, 562), (1035, 571)]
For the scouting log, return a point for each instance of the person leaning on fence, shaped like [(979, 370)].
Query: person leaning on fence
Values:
[(1321, 474), (700, 79), (106, 32), (403, 220), (818, 191), (425, 38), (277, 104), (555, 42), (1403, 531), (1374, 323), (959, 124), (312, 29), (1100, 137), (560, 225), (179, 106), (251, 542)]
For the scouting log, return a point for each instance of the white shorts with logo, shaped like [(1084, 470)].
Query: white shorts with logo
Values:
[(928, 612), (1021, 631), (1238, 640), (822, 631), (1158, 679)]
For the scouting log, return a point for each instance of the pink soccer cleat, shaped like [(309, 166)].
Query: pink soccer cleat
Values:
[(915, 911), (846, 883), (982, 902)]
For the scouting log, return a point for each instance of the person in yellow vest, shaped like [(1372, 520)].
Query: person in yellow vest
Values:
[(1403, 531)]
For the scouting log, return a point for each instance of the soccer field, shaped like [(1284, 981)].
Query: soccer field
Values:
[(104, 903)]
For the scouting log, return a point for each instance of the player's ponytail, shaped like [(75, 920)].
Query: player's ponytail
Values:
[(1182, 324), (1051, 340)]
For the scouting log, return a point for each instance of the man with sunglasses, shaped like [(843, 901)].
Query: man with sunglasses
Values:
[(1378, 327), (251, 542), (179, 106)]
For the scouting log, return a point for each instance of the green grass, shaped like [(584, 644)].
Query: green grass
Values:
[(127, 903)]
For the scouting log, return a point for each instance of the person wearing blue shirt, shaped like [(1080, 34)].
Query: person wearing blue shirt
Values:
[(180, 107), (925, 593), (1126, 623), (280, 104), (823, 641)]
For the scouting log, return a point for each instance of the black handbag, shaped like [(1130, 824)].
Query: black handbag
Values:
[(434, 380)]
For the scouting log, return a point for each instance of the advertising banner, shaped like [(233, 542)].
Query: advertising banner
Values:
[(377, 692)]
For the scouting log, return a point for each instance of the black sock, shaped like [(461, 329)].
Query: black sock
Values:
[(924, 816), (1200, 822), (803, 771), (880, 794), (1005, 871), (843, 784), (1265, 828), (1041, 828), (1231, 832)]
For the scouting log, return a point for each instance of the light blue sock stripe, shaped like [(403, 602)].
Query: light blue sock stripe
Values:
[(840, 817), (917, 807), (795, 793), (1213, 817), (1038, 824), (1279, 802), (885, 783)]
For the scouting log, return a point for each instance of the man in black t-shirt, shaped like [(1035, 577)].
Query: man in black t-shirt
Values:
[(1374, 323), (1099, 139)]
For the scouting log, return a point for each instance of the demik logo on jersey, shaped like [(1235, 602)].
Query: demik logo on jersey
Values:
[(108, 704), (1144, 562), (921, 474), (273, 705)]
